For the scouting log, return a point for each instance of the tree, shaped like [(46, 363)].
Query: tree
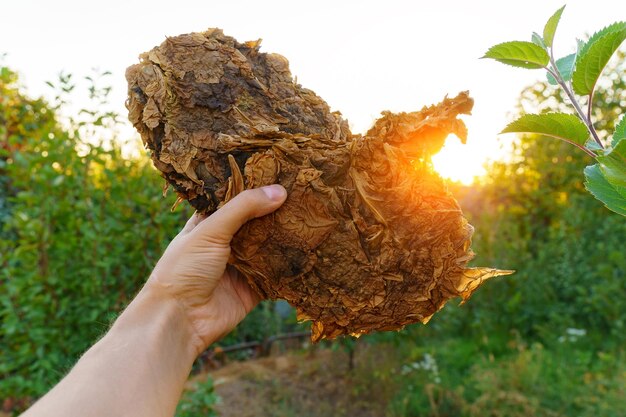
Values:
[(535, 216)]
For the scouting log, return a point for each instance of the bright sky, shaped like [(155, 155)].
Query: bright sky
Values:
[(360, 56)]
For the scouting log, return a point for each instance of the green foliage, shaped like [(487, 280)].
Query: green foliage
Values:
[(200, 401), (584, 69), (594, 56), (19, 118), (519, 54), (523, 381), (82, 228), (562, 126), (607, 179), (550, 28), (620, 131), (538, 40), (613, 166), (603, 190)]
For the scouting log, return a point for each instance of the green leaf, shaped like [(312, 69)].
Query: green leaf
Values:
[(519, 54), (538, 40), (594, 56), (620, 131), (583, 46), (559, 125), (597, 184), (592, 145), (565, 66), (613, 167), (550, 27)]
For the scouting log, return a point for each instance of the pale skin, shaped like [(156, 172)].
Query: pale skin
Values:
[(191, 300)]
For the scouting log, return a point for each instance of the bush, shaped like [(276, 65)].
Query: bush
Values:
[(200, 401), (82, 228), (524, 381)]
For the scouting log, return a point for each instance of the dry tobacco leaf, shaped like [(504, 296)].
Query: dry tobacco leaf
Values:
[(369, 237)]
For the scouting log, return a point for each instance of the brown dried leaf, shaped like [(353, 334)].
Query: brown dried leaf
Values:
[(369, 237)]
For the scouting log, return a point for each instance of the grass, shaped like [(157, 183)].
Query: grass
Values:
[(569, 379)]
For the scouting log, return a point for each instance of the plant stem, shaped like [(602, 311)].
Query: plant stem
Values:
[(582, 148), (589, 106), (587, 120)]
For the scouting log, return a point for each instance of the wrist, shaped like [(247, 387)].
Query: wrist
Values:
[(138, 368), (160, 321)]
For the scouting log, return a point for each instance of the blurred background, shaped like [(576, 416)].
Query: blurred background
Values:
[(83, 220)]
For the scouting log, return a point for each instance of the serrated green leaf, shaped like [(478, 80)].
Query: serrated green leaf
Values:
[(565, 66), (538, 40), (559, 125), (614, 27), (594, 56), (550, 28), (519, 54), (620, 131), (613, 167), (597, 184)]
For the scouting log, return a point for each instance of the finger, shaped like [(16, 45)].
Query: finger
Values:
[(249, 204), (193, 221)]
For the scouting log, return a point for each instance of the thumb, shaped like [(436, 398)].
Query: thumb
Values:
[(247, 205)]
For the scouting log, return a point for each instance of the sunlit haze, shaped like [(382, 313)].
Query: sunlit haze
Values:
[(360, 56)]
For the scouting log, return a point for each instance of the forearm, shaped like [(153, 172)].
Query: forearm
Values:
[(140, 366), (137, 369)]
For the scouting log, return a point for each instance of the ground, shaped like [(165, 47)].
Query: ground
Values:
[(308, 383)]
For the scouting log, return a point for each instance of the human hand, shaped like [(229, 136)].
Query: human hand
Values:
[(139, 367), (193, 272)]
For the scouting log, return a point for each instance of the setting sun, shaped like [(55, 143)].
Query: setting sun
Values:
[(458, 162)]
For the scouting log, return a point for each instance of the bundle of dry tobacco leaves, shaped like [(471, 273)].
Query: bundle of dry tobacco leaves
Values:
[(369, 237)]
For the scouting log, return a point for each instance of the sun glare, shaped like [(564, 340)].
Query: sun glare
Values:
[(458, 162)]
